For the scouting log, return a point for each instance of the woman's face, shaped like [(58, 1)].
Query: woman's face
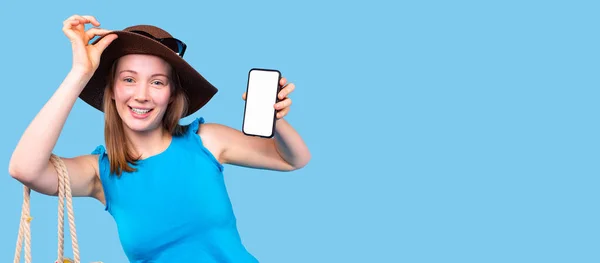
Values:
[(142, 91)]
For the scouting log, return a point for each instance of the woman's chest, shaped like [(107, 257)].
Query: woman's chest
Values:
[(163, 204)]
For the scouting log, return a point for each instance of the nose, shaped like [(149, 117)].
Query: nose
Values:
[(141, 93)]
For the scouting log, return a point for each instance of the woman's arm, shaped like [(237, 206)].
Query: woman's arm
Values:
[(290, 145), (286, 151), (30, 161)]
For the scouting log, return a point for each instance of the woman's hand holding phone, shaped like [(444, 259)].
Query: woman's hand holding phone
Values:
[(283, 106)]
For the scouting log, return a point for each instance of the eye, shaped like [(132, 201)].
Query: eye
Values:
[(130, 80), (158, 82)]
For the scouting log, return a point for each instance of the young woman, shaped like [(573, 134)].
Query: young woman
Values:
[(161, 182)]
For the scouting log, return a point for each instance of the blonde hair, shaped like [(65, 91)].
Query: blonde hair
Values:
[(119, 150)]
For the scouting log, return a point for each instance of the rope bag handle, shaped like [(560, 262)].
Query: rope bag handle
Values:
[(64, 192)]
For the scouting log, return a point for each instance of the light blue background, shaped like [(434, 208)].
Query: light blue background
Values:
[(441, 131)]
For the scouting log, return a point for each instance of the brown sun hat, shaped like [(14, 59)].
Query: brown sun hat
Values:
[(148, 39)]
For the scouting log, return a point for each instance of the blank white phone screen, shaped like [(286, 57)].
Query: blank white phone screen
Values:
[(260, 101)]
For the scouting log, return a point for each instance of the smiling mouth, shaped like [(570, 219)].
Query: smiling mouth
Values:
[(140, 111)]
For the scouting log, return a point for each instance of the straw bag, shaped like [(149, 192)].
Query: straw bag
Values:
[(64, 192)]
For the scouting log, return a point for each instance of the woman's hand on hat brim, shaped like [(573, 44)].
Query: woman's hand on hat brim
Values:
[(86, 57)]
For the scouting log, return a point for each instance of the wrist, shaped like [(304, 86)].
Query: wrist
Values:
[(79, 77), (81, 73), (279, 127)]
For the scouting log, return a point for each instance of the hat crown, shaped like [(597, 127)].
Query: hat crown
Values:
[(155, 31)]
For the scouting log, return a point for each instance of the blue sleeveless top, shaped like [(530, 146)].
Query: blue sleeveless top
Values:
[(175, 207)]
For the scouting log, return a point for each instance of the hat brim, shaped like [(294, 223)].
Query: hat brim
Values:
[(197, 89)]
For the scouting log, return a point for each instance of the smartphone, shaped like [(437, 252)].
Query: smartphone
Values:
[(261, 96)]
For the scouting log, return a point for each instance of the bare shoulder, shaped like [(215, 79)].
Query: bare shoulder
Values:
[(215, 136), (232, 146), (216, 130)]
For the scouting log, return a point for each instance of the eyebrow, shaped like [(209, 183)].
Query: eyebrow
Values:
[(134, 72)]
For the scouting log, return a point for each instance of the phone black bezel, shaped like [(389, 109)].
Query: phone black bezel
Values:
[(279, 87)]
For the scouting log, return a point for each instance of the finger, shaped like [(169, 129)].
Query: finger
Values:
[(244, 96), (92, 20), (104, 42), (282, 81), (78, 18), (283, 113), (68, 30), (74, 21), (283, 104), (71, 21), (289, 88), (92, 32)]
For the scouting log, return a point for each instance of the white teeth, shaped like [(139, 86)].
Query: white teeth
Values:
[(139, 111)]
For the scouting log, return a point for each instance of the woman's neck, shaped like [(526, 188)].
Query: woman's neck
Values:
[(149, 143)]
